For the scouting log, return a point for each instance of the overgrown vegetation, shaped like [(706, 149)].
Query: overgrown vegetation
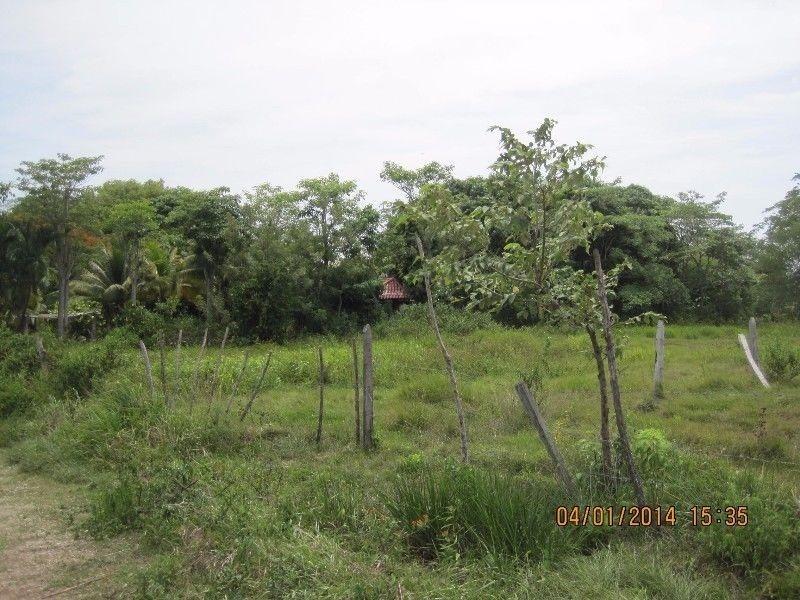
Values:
[(257, 509)]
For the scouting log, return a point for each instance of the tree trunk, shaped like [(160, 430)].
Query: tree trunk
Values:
[(63, 286), (448, 361), (611, 357), (602, 384)]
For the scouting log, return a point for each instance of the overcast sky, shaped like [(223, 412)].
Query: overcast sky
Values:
[(698, 95)]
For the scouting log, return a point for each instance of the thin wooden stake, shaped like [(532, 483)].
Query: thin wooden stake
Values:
[(246, 409), (217, 367), (196, 374), (356, 399), (367, 439), (658, 369), (163, 368), (752, 361), (238, 380), (148, 369), (613, 372), (448, 361), (537, 420), (321, 395), (178, 344), (752, 340)]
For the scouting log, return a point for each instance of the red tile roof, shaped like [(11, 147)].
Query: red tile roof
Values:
[(393, 290)]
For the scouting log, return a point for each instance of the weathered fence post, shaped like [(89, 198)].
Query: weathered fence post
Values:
[(613, 373), (367, 440), (238, 380), (532, 409), (752, 361), (217, 367), (752, 340), (177, 387), (196, 373), (448, 360), (356, 400), (257, 387), (148, 369), (658, 370), (163, 368), (321, 395), (41, 353)]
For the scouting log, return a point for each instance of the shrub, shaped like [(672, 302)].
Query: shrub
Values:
[(144, 324), (467, 509), (781, 361), (18, 395), (412, 319), (17, 352), (80, 366)]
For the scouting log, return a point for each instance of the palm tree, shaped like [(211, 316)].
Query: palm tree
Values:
[(104, 281)]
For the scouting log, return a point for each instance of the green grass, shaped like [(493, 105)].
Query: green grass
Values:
[(258, 509)]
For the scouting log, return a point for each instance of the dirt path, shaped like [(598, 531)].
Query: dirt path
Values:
[(39, 556)]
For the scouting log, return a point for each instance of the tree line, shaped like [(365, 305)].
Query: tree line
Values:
[(276, 263)]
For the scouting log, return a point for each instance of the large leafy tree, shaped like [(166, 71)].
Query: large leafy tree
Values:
[(209, 222), (53, 189), (131, 222), (779, 256)]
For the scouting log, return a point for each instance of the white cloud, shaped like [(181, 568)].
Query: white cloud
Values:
[(676, 94)]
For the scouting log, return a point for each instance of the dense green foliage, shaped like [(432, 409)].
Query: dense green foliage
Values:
[(277, 263)]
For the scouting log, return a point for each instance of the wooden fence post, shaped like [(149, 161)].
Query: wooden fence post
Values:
[(658, 370), (532, 409), (41, 353), (177, 378), (163, 368), (752, 361), (356, 399), (752, 340), (613, 374), (321, 395), (238, 380), (448, 360), (148, 369), (246, 409), (196, 373), (217, 367), (367, 440)]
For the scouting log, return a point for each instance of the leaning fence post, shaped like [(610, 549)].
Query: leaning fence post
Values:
[(356, 398), (367, 440), (537, 420), (658, 370), (752, 340), (321, 395), (253, 396), (148, 369), (752, 361)]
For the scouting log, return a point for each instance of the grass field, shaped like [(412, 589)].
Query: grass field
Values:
[(256, 509)]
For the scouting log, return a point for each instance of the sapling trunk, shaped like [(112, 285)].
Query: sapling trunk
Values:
[(448, 361), (613, 372), (602, 384)]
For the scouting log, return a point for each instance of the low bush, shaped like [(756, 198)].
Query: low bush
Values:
[(412, 319), (143, 323), (781, 361), (466, 509)]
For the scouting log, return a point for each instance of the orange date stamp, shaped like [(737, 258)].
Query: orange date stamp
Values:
[(650, 516)]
